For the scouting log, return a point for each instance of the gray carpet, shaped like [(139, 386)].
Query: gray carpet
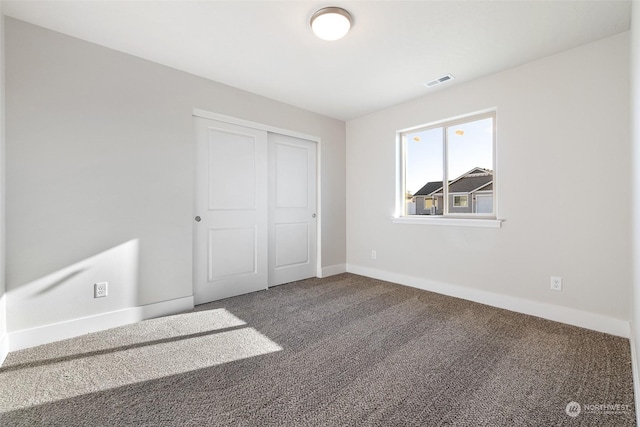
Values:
[(344, 350)]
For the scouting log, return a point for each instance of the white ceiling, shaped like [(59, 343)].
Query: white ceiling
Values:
[(394, 47)]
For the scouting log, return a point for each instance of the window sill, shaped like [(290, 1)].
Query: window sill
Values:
[(455, 222)]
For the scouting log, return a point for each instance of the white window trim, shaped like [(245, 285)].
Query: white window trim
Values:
[(490, 221), (448, 221)]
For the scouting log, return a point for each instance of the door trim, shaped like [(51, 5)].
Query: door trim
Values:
[(197, 112), (253, 125)]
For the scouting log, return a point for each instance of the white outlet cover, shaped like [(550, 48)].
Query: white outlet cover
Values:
[(101, 289), (556, 283)]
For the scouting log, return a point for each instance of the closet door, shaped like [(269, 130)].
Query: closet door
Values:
[(230, 237), (292, 209)]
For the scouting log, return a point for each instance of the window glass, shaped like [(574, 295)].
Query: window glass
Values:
[(423, 158), (460, 201), (460, 153)]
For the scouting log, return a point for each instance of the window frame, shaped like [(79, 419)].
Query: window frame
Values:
[(460, 196), (447, 218)]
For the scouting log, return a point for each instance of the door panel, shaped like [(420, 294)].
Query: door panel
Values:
[(232, 252), (230, 241), (232, 171), (292, 175), (292, 244), (292, 209)]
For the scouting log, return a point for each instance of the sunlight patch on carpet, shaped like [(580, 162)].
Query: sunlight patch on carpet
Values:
[(198, 345)]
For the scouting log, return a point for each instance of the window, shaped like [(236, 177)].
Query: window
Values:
[(460, 201), (451, 164)]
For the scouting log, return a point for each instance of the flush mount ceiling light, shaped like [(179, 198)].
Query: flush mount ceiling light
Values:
[(331, 23)]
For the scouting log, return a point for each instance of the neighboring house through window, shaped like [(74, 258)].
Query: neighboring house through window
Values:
[(460, 153), (460, 201)]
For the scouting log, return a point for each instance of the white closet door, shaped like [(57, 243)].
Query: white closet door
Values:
[(292, 209), (230, 241)]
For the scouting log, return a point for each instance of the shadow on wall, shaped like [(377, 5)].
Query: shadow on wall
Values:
[(68, 294)]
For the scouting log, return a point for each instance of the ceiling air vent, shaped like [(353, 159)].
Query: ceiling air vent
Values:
[(440, 80)]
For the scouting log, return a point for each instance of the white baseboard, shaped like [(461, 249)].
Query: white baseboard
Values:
[(4, 348), (165, 308), (634, 370), (332, 270), (4, 336), (72, 328), (571, 316)]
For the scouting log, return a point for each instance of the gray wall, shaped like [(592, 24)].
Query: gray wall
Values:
[(461, 209), (4, 342), (100, 165), (557, 118)]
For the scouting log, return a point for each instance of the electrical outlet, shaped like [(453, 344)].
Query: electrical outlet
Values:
[(556, 283), (100, 290), (374, 255)]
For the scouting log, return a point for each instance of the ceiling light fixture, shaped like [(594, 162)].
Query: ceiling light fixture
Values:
[(331, 23)]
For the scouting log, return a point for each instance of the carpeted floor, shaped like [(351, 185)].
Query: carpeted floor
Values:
[(340, 351)]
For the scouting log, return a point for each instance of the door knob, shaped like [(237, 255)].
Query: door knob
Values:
[(198, 219), (313, 216)]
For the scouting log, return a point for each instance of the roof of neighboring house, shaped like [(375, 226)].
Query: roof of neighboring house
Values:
[(473, 180), (429, 188), (470, 183)]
